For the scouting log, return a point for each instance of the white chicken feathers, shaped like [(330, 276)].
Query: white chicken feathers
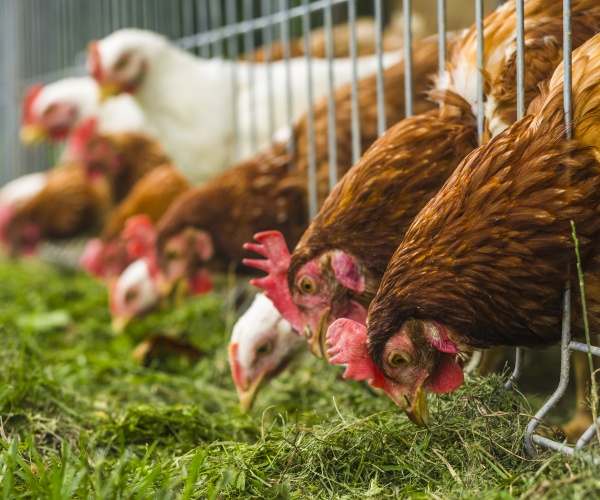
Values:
[(189, 101)]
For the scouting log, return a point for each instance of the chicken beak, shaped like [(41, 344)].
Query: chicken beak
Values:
[(316, 340), (108, 90), (247, 395), (418, 412), (119, 323), (31, 134)]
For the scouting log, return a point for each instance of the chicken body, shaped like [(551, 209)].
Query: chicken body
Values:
[(197, 126), (485, 262), (66, 206)]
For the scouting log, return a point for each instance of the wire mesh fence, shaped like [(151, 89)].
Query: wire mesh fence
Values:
[(43, 41)]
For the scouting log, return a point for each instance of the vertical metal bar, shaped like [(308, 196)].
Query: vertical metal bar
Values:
[(312, 161), (480, 61), (331, 125), (568, 77), (285, 42), (267, 44), (408, 79), (233, 49), (249, 49), (442, 36), (519, 353), (216, 20), (188, 18), (356, 152), (203, 24), (520, 59), (381, 118)]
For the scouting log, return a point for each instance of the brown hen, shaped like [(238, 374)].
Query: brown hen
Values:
[(485, 262)]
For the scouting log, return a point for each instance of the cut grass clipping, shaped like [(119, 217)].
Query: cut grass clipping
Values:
[(81, 419)]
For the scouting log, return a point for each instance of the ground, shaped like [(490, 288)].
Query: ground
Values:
[(81, 419)]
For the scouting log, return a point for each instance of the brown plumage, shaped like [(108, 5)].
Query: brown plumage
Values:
[(269, 190), (67, 206), (151, 195), (123, 158), (424, 66), (390, 184), (487, 257), (543, 53), (257, 194)]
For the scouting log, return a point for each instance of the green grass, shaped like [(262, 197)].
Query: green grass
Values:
[(80, 419)]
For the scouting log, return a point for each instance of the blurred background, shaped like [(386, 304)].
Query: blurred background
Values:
[(45, 40)]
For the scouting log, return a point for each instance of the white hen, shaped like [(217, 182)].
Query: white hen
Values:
[(51, 112), (261, 346), (190, 101)]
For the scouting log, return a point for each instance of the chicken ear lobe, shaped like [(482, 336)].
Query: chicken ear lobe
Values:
[(271, 244), (447, 377), (140, 237), (348, 341), (347, 271), (438, 338), (203, 245)]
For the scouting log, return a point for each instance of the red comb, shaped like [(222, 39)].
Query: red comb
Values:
[(28, 100), (80, 136), (94, 61), (348, 341), (91, 260), (271, 245), (140, 238)]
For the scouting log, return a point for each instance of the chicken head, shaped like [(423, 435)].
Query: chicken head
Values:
[(133, 294), (305, 298), (262, 345), (46, 120), (118, 68), (183, 259), (419, 358)]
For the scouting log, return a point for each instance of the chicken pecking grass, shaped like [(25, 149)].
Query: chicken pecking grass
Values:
[(79, 418)]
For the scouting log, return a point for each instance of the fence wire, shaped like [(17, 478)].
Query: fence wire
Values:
[(43, 41)]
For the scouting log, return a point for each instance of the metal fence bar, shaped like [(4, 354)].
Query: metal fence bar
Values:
[(480, 62), (441, 6), (312, 160), (356, 152), (381, 118), (267, 44), (331, 124), (519, 353), (408, 63)]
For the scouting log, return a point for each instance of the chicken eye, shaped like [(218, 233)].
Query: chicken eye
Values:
[(130, 295), (264, 349), (171, 255), (396, 360), (307, 285), (122, 62)]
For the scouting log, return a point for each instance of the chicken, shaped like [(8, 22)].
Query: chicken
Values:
[(51, 112), (66, 206), (281, 182), (183, 97), (485, 262), (121, 159), (106, 256), (254, 351), (15, 193), (543, 52), (338, 264)]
